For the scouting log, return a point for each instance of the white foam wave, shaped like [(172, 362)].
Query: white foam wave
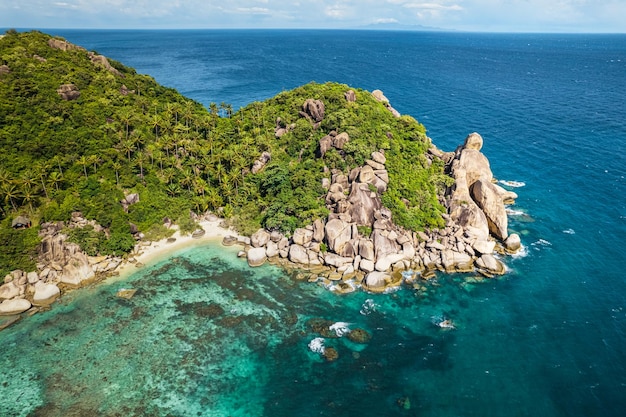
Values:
[(368, 307), (513, 184), (512, 212), (317, 345), (340, 328), (521, 253), (542, 243)]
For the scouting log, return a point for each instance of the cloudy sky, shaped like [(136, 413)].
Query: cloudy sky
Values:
[(473, 15)]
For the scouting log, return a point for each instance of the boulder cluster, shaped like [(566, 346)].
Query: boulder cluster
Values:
[(61, 264), (359, 243)]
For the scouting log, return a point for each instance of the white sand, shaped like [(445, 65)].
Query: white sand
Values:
[(158, 250)]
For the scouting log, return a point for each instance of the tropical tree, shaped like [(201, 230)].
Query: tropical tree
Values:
[(84, 161), (41, 168), (10, 193), (54, 179)]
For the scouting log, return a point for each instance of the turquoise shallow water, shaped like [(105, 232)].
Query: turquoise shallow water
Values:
[(205, 335)]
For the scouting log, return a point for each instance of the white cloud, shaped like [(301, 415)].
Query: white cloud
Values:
[(253, 10), (498, 15), (384, 20), (433, 6)]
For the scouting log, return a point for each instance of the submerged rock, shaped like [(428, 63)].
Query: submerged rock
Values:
[(359, 335)]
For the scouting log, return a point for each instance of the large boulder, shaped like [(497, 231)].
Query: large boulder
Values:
[(384, 264), (364, 204), (256, 256), (366, 249), (475, 166), (77, 270), (490, 265), (337, 261), (260, 238), (463, 209), (490, 201), (513, 243), (298, 254), (45, 294), (473, 141), (9, 290), (340, 140), (302, 236), (313, 110), (376, 281), (15, 306), (260, 163), (338, 233), (383, 245), (318, 230)]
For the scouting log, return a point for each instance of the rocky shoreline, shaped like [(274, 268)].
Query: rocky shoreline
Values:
[(62, 266), (359, 245)]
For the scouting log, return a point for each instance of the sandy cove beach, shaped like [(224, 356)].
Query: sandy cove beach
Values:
[(151, 252)]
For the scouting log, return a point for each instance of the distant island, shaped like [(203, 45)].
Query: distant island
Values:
[(401, 27), (97, 162)]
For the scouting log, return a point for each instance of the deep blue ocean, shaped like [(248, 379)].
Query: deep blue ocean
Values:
[(207, 336)]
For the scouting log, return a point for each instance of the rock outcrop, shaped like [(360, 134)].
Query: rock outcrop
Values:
[(68, 92), (360, 242), (378, 95)]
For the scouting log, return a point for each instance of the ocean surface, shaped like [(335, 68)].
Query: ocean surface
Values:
[(207, 336)]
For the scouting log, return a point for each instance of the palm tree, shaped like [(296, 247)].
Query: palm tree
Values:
[(156, 122), (188, 112), (27, 180), (10, 193), (94, 160), (84, 161), (128, 146), (140, 160), (54, 179), (116, 166), (28, 195), (173, 189), (187, 179), (213, 109), (126, 117), (42, 168)]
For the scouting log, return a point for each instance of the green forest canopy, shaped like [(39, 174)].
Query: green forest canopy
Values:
[(125, 134)]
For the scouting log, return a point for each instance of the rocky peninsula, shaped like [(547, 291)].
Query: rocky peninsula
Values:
[(360, 245), (357, 245)]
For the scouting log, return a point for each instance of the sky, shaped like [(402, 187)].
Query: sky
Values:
[(466, 15)]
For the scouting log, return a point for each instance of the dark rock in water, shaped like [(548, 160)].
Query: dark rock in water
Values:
[(200, 309), (359, 335), (126, 293), (322, 327), (330, 354), (404, 403)]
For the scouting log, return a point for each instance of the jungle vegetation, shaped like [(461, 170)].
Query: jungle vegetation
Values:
[(126, 134)]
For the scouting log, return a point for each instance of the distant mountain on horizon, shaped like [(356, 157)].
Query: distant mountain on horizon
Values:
[(403, 27)]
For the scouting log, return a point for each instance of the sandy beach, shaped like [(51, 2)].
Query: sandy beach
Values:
[(151, 252)]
